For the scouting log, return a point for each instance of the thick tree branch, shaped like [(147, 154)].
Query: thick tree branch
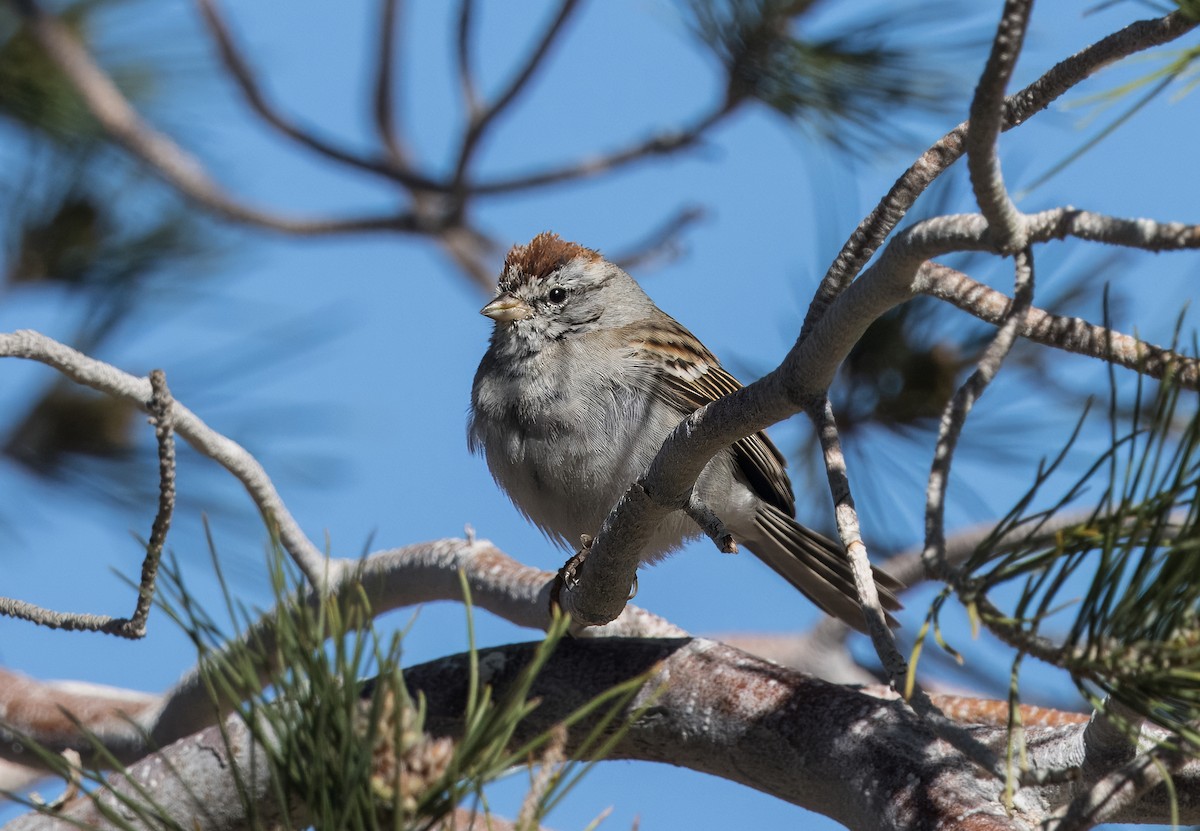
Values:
[(720, 711), (387, 580), (782, 733)]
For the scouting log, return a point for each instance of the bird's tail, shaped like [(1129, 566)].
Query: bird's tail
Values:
[(817, 566)]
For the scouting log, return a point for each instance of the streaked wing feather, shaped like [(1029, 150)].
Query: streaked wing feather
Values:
[(692, 378)]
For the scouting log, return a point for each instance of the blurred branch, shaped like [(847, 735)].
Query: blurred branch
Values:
[(239, 69), (385, 94), (660, 144), (466, 77), (662, 242), (473, 252), (480, 120), (173, 164)]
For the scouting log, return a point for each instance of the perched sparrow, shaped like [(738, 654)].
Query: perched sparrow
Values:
[(581, 383)]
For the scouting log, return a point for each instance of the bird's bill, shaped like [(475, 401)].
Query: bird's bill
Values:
[(505, 308)]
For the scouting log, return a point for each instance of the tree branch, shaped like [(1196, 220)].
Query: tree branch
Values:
[(482, 119), (800, 381), (162, 417), (1018, 108), (660, 144), (986, 122), (782, 732), (225, 452), (241, 73), (466, 77), (425, 572), (954, 417)]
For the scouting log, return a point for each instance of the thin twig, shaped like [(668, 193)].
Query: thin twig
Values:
[(163, 417), (850, 532), (662, 241), (229, 454), (711, 524), (239, 69), (882, 637), (660, 144), (473, 252), (955, 416), (160, 407)]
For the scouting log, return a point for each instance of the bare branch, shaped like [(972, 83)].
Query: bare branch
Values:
[(1019, 107), (954, 418), (227, 453), (388, 580), (1118, 792), (1070, 334), (712, 525), (483, 119), (882, 638), (473, 252), (986, 121), (163, 418), (216, 780), (800, 381), (894, 665), (133, 627)]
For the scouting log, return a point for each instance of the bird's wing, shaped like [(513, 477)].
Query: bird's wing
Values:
[(692, 377)]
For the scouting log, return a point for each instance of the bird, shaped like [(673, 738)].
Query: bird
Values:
[(583, 379)]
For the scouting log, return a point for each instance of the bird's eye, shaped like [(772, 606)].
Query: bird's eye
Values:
[(557, 294)]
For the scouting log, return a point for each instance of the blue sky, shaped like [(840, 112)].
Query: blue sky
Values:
[(364, 428)]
